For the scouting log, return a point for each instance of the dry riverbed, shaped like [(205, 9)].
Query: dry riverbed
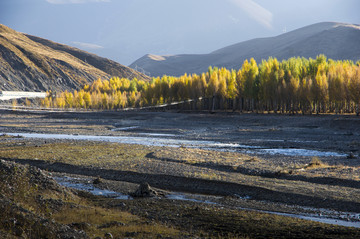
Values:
[(222, 174)]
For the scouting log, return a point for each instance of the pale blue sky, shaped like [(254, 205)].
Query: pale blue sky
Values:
[(124, 30)]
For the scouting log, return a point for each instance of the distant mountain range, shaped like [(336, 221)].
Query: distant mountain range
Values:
[(30, 63), (338, 41)]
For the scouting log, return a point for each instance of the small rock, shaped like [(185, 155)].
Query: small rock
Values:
[(97, 180), (111, 224), (80, 225), (130, 234), (108, 235), (351, 156), (18, 231), (121, 204), (144, 190)]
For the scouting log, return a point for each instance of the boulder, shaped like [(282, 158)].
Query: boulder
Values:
[(145, 190)]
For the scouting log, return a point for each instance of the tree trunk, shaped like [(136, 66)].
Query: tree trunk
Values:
[(234, 104), (213, 104), (241, 104)]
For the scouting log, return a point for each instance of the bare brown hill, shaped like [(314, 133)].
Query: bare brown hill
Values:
[(30, 63), (338, 41)]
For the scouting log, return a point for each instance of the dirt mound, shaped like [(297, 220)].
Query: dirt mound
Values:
[(25, 204)]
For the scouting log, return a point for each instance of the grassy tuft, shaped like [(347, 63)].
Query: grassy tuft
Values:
[(99, 220), (316, 163)]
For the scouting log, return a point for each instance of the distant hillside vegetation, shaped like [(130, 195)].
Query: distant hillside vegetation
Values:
[(30, 63), (338, 41)]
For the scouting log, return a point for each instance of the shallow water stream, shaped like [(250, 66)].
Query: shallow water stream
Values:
[(75, 184), (347, 219), (170, 140)]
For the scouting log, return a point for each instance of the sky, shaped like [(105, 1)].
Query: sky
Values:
[(125, 30)]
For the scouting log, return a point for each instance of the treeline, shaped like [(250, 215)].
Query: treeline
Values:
[(296, 85), (110, 94)]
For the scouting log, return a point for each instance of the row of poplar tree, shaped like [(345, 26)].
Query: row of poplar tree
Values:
[(292, 86)]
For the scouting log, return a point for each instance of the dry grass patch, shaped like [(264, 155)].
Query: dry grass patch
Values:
[(97, 221), (200, 156), (89, 154), (252, 159), (208, 175), (316, 163)]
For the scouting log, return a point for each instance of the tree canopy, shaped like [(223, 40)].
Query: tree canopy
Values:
[(294, 85)]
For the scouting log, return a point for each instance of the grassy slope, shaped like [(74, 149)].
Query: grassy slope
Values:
[(29, 63)]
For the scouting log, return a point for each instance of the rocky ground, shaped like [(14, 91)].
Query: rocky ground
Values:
[(24, 192), (200, 191)]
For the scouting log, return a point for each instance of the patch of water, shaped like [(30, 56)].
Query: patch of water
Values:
[(72, 183), (148, 141), (283, 140), (332, 221), (125, 128), (173, 142), (302, 141), (344, 219), (268, 140), (349, 216), (242, 197), (299, 152), (158, 135), (182, 197), (231, 146)]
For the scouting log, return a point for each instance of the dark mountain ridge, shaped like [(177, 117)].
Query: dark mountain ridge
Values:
[(338, 41)]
